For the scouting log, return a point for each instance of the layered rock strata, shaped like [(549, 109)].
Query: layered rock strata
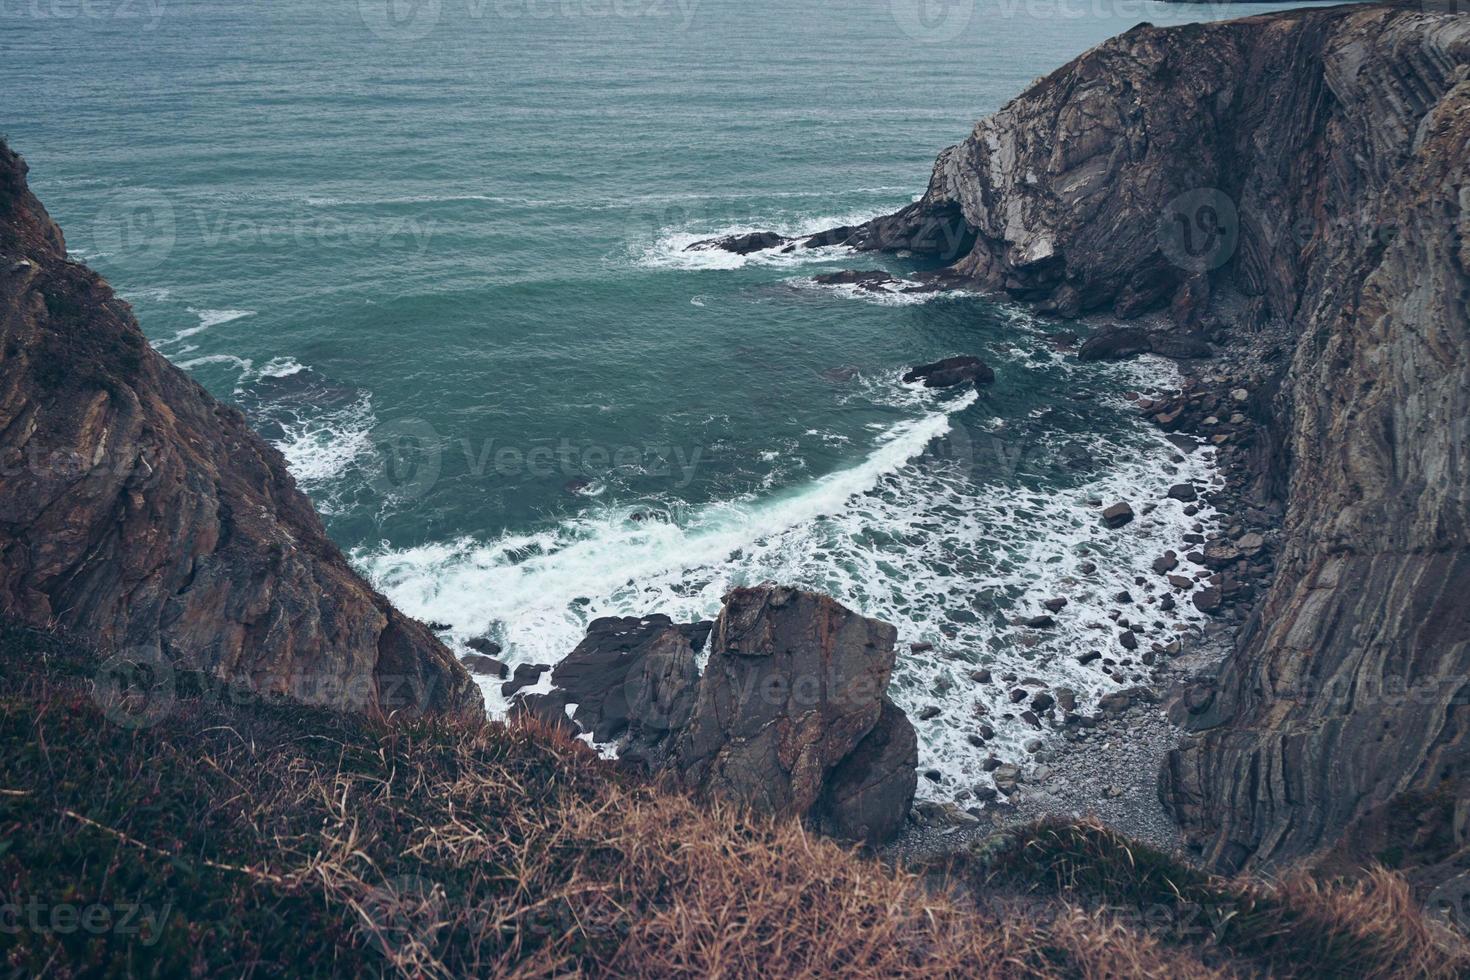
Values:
[(1300, 174)]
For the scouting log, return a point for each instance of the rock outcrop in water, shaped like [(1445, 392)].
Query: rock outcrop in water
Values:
[(139, 513), (1303, 174), (789, 716)]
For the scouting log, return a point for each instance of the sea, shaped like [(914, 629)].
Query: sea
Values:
[(437, 252)]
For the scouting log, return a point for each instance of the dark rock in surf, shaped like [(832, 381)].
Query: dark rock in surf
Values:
[(478, 663), (951, 371), (789, 717), (484, 645), (756, 241), (524, 675), (872, 280), (1119, 343)]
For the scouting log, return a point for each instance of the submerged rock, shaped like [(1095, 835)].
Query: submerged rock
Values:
[(756, 241), (951, 371)]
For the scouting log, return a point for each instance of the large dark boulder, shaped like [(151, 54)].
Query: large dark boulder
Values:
[(632, 680), (794, 682), (1116, 344), (790, 716), (1120, 343), (868, 794)]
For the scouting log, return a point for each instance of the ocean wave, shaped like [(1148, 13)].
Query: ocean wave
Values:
[(888, 296), (936, 530), (669, 248), (207, 319), (536, 593), (321, 427)]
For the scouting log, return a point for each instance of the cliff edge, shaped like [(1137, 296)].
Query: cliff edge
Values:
[(1310, 169), (140, 514)]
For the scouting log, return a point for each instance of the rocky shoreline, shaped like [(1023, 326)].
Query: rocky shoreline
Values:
[(1106, 762), (1297, 199)]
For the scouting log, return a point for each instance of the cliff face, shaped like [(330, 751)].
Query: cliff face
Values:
[(1310, 171), (141, 514)]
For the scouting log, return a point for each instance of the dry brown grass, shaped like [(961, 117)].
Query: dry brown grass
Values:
[(1294, 926), (286, 840)]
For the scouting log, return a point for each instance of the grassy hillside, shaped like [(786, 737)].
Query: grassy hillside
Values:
[(156, 824)]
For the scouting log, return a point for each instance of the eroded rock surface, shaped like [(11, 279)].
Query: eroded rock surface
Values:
[(138, 512), (794, 682), (789, 716)]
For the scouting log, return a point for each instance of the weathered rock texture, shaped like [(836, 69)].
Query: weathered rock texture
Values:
[(632, 681), (138, 512), (794, 682), (789, 716), (1308, 170)]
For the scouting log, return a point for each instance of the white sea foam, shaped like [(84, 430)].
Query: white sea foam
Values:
[(931, 532), (156, 294), (537, 592), (213, 318), (670, 247), (320, 447), (244, 364), (889, 295), (207, 319), (281, 367)]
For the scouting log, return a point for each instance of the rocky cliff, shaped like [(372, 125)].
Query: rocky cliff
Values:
[(142, 515), (1310, 169), (1300, 176)]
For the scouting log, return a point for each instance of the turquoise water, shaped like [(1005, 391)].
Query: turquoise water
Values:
[(437, 256)]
